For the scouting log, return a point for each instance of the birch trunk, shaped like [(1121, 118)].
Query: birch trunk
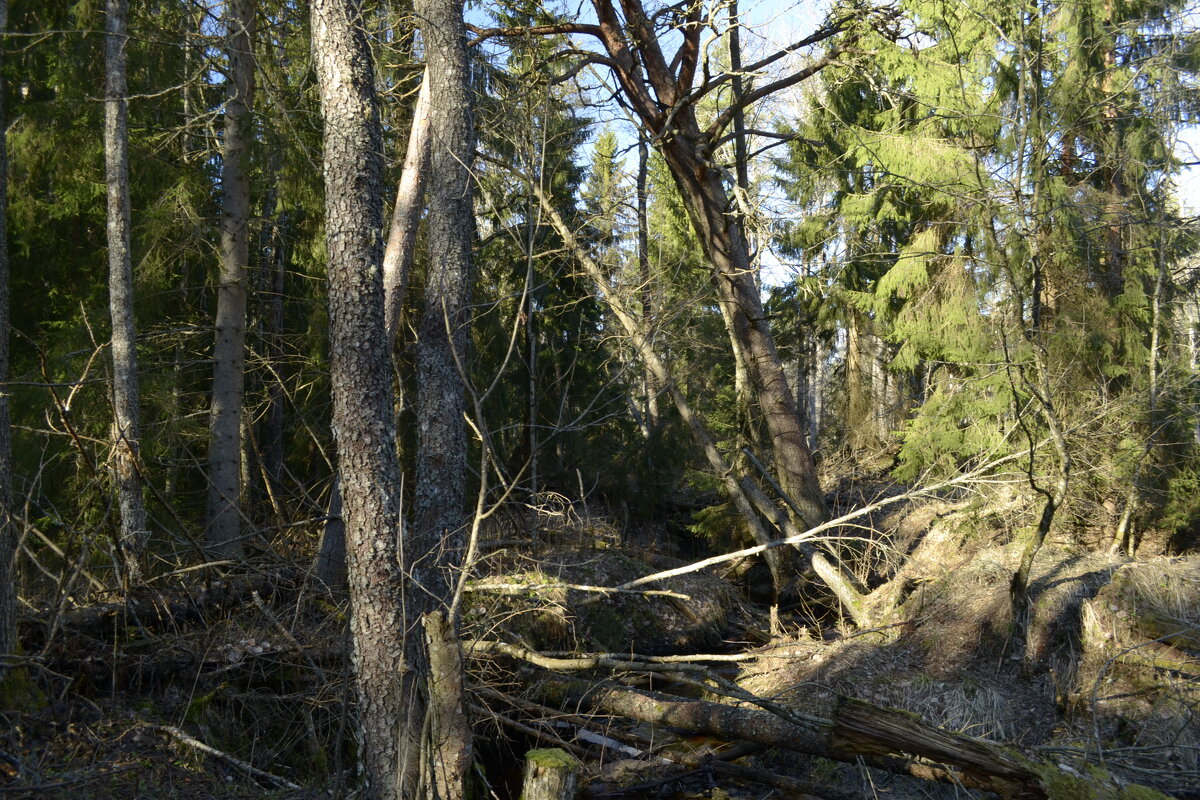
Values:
[(223, 533), (132, 537), (390, 714)]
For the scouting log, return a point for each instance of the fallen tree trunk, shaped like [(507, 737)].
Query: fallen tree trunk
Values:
[(889, 739)]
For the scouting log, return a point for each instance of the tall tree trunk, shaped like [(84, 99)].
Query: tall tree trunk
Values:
[(223, 531), (8, 531), (434, 550), (390, 712), (653, 389), (330, 564), (725, 245), (132, 538)]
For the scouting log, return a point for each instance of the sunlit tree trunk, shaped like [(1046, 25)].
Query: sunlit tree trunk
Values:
[(390, 712), (229, 351), (132, 537), (434, 549)]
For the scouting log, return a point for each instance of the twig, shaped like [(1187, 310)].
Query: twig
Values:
[(521, 588), (233, 761)]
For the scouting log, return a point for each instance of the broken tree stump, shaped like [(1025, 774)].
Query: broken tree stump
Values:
[(550, 774)]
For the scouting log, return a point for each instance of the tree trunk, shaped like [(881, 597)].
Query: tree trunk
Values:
[(390, 713), (132, 538), (433, 549), (653, 389), (728, 253), (8, 531), (330, 564), (550, 774), (440, 499), (745, 494), (223, 533)]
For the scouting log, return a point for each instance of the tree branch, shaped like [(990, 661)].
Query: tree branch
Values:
[(483, 34)]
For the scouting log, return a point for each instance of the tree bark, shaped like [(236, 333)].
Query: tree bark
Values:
[(390, 713), (223, 533), (132, 537), (330, 564), (550, 774), (440, 498), (433, 549), (728, 253), (8, 531), (653, 389)]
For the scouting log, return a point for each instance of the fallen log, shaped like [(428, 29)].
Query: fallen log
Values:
[(889, 739), (866, 729)]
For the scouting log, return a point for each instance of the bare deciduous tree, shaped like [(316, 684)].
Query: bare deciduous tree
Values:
[(120, 295)]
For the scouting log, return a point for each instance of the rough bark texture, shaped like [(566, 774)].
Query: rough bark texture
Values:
[(728, 253), (434, 546), (229, 350), (330, 565), (449, 729), (8, 531), (364, 426), (440, 500), (128, 482)]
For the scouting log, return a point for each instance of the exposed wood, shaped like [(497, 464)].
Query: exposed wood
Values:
[(550, 774)]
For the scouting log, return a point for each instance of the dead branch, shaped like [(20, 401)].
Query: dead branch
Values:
[(233, 761)]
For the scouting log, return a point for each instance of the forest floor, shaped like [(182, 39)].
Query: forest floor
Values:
[(238, 687)]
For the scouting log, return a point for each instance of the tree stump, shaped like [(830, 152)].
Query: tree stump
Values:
[(550, 774)]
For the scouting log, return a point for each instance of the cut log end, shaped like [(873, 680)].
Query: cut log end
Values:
[(550, 774)]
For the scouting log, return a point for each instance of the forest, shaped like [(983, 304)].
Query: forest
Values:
[(621, 399)]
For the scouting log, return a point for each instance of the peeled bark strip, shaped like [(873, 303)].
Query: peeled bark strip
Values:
[(390, 718), (229, 350), (125, 434), (406, 216)]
